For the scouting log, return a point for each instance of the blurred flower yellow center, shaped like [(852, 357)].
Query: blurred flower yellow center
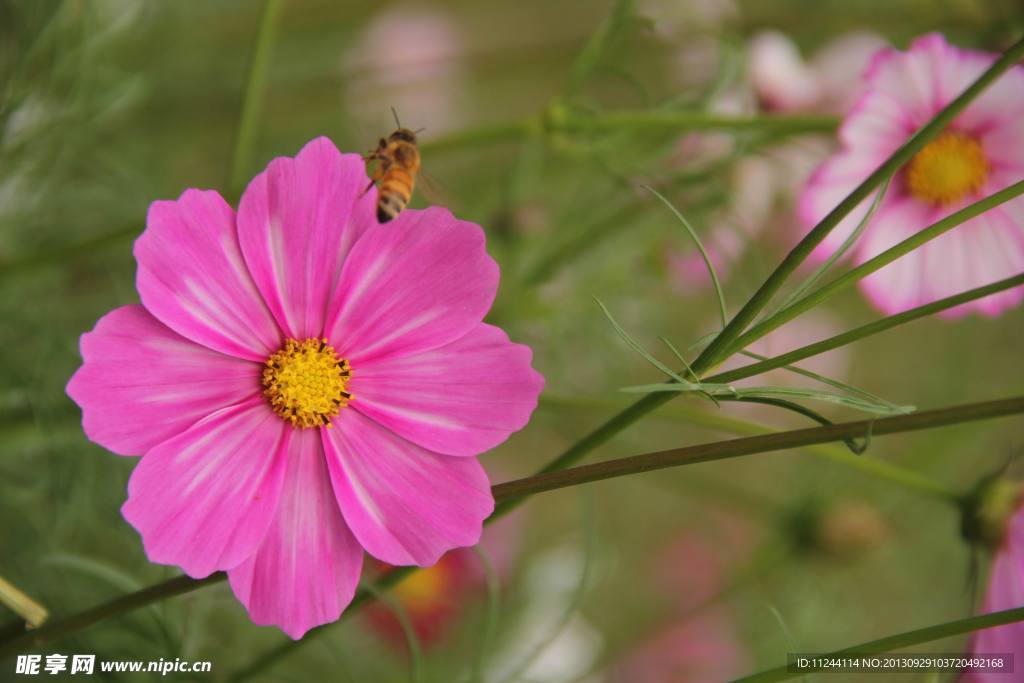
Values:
[(422, 588), (948, 168), (306, 383)]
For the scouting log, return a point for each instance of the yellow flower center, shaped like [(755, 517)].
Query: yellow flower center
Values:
[(306, 383), (949, 167)]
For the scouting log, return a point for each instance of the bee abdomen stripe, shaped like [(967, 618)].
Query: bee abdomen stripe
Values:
[(394, 200)]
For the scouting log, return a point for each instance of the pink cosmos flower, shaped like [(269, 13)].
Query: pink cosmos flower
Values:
[(699, 642), (830, 81), (410, 57), (1005, 591), (981, 152), (304, 384)]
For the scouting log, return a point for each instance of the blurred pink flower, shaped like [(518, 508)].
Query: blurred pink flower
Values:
[(754, 191), (409, 58), (765, 185), (981, 152), (1005, 591), (698, 643), (304, 384), (436, 597), (699, 650), (779, 75), (811, 327), (830, 82)]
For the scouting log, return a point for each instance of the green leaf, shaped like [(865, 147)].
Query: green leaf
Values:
[(635, 345), (700, 247), (855, 448), (839, 253), (842, 386), (725, 391)]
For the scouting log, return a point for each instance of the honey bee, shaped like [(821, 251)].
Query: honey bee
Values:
[(398, 162)]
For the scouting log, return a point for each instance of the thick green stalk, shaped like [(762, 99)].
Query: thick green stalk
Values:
[(902, 640), (55, 630), (689, 120), (751, 445), (490, 134), (835, 453)]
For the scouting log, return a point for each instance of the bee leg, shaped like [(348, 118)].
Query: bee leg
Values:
[(372, 181)]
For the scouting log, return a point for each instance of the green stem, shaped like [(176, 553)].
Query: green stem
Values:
[(684, 121), (473, 137), (55, 630), (880, 261), (720, 450), (900, 641), (245, 134), (716, 420)]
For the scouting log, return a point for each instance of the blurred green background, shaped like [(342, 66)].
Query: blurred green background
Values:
[(107, 105)]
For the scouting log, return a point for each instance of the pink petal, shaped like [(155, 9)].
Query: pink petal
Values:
[(779, 75), (1005, 591), (203, 500), (839, 67), (1000, 104), (193, 279), (830, 184), (985, 249), (411, 285), (1001, 179), (460, 399), (878, 126), (306, 569), (1004, 148), (142, 383), (405, 504), (909, 78), (296, 223)]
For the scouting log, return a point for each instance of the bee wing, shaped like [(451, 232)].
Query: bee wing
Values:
[(432, 189)]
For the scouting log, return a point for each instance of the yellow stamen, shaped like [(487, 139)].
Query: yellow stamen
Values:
[(306, 383), (949, 167)]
